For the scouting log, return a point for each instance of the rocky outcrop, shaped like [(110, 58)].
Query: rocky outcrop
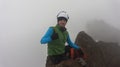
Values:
[(110, 53), (100, 54)]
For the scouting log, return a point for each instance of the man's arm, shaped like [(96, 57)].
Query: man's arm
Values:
[(74, 46), (47, 37), (71, 43)]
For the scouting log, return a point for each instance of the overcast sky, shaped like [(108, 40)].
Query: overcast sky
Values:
[(24, 22)]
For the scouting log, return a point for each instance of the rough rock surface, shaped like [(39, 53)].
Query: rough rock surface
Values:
[(100, 54)]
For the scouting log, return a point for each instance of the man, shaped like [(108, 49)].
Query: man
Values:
[(56, 37)]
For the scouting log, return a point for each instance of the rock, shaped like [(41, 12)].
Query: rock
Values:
[(100, 54)]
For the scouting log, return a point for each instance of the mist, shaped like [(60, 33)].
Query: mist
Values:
[(24, 22), (101, 30)]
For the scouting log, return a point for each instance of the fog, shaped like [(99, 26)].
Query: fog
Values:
[(24, 22)]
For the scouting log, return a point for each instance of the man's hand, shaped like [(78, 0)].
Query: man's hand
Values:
[(54, 36)]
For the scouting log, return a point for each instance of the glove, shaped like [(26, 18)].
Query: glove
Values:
[(54, 36), (63, 29)]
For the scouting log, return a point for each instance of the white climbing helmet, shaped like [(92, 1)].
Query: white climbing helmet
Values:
[(63, 14)]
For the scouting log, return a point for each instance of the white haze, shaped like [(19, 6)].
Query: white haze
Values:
[(24, 22)]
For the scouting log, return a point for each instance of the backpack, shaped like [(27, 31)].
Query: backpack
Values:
[(72, 53)]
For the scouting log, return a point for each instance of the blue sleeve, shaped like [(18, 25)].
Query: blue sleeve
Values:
[(71, 43), (47, 37)]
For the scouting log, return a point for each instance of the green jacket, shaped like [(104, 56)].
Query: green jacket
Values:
[(56, 47)]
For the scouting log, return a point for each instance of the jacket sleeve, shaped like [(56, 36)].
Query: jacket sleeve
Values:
[(71, 43), (47, 37)]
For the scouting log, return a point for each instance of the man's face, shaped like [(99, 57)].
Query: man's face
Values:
[(62, 23)]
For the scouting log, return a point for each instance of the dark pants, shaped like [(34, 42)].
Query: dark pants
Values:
[(55, 59)]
